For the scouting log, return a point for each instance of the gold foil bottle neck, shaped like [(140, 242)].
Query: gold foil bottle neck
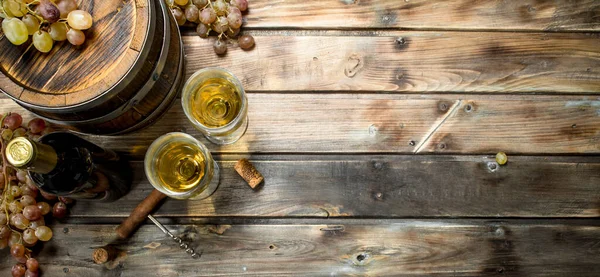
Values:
[(26, 154), (20, 152)]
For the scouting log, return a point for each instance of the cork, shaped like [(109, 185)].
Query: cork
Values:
[(104, 254), (249, 173)]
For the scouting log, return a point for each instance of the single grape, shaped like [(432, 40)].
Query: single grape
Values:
[(37, 125), (170, 3), (234, 20), (17, 250), (27, 200), (182, 2), (7, 134), (65, 7), (235, 10), (221, 25), (4, 232), (3, 217), (179, 16), (220, 7), (15, 191), (15, 7), (240, 4), (49, 11), (59, 210), (220, 47), (27, 190), (43, 233), (22, 175), (202, 30), (75, 37), (19, 221), (29, 236), (246, 42), (32, 212), (32, 23), (14, 238), (18, 270), (30, 273), (13, 120), (32, 264), (200, 3), (208, 16), (80, 20), (44, 207), (15, 207), (42, 41), (58, 32), (36, 223), (19, 132), (48, 196), (192, 14)]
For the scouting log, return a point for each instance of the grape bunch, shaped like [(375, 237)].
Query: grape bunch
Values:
[(223, 17), (46, 21), (24, 208)]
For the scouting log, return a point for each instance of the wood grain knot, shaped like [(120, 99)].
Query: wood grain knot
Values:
[(353, 65)]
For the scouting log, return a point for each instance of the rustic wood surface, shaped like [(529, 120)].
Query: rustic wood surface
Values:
[(528, 15), (355, 248), (347, 123), (411, 61), (375, 125), (384, 186)]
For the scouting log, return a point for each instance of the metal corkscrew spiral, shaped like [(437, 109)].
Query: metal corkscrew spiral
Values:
[(182, 244)]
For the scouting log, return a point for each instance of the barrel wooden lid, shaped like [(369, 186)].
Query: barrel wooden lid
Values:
[(70, 75)]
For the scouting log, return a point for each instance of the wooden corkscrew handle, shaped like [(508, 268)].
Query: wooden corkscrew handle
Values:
[(139, 214)]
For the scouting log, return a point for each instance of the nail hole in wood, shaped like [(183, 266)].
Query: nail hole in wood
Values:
[(501, 270), (411, 143), (574, 126), (65, 230), (66, 270), (442, 145), (271, 247), (443, 107), (468, 108), (400, 41), (361, 257), (492, 166)]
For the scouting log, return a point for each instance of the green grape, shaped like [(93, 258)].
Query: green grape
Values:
[(15, 30), (234, 20), (43, 41), (221, 25), (16, 8), (80, 20), (501, 158), (220, 47), (43, 233), (203, 30), (220, 7), (200, 3), (32, 23), (246, 42), (58, 31)]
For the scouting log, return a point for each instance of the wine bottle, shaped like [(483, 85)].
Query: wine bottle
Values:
[(64, 164)]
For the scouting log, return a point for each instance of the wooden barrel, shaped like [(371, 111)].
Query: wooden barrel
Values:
[(123, 78)]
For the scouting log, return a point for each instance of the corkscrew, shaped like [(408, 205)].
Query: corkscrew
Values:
[(182, 244)]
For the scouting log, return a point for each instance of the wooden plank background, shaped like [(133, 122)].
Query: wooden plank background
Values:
[(527, 15), (385, 186), (356, 248), (375, 123), (348, 123)]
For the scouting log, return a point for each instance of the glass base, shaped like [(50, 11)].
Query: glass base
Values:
[(229, 138), (212, 186)]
